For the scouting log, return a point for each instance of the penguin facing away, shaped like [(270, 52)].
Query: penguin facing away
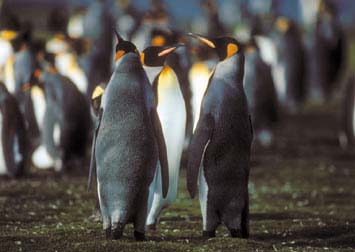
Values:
[(14, 145), (261, 94), (66, 121), (221, 144), (127, 145), (347, 132), (172, 113)]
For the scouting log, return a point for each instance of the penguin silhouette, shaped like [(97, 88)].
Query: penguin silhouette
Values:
[(328, 51), (172, 114), (14, 145), (128, 143), (221, 144), (347, 131), (66, 122), (261, 94)]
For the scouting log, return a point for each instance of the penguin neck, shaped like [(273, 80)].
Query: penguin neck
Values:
[(231, 69), (152, 72), (128, 63)]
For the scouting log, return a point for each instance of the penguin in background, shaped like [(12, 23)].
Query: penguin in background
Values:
[(219, 153), (180, 61), (97, 28), (199, 76), (66, 121), (328, 51), (127, 145), (291, 62), (23, 67), (7, 58), (347, 131), (261, 94), (14, 145), (172, 113)]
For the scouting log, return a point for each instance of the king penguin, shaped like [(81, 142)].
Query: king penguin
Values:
[(221, 144), (172, 113), (14, 148), (261, 94), (66, 121), (128, 143), (347, 131)]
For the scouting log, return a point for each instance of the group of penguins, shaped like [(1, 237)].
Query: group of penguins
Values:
[(141, 109)]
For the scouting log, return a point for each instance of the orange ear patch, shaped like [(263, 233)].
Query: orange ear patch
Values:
[(119, 54), (38, 73), (142, 58), (158, 41), (232, 49)]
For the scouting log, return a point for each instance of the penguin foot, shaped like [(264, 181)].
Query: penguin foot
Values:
[(209, 234), (117, 232), (235, 233), (139, 236), (152, 227), (108, 233)]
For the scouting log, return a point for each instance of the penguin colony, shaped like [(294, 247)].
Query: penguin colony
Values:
[(143, 104)]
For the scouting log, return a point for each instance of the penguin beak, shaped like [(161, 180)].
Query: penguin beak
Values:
[(203, 39), (167, 51)]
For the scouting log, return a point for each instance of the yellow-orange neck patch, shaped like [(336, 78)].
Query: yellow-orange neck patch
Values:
[(232, 49), (119, 54), (142, 58), (98, 91), (8, 35)]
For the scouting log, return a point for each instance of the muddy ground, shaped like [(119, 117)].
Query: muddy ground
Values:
[(302, 199)]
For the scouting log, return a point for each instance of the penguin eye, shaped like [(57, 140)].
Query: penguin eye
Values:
[(232, 49)]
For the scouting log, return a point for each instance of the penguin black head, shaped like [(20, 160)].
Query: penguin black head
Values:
[(123, 47), (156, 55), (225, 47)]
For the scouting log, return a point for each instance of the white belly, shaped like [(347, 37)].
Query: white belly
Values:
[(199, 76), (203, 193), (67, 65), (39, 105), (2, 159), (41, 158)]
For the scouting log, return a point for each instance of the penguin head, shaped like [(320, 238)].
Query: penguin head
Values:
[(225, 47), (282, 24), (123, 47), (155, 56)]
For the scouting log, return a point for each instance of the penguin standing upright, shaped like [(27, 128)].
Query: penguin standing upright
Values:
[(127, 145), (14, 145), (328, 51), (291, 56), (221, 144), (66, 121), (347, 131), (24, 66), (261, 94), (97, 28), (172, 114)]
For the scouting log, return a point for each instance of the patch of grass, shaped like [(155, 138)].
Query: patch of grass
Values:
[(301, 199)]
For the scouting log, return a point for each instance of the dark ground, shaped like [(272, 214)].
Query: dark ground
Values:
[(302, 199)]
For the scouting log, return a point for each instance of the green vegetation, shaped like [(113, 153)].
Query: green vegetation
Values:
[(302, 199)]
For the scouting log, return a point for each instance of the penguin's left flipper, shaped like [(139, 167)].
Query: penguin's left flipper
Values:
[(200, 139), (163, 156), (92, 159)]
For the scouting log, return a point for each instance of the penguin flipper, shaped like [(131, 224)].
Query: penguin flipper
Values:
[(197, 147), (92, 159), (163, 156)]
